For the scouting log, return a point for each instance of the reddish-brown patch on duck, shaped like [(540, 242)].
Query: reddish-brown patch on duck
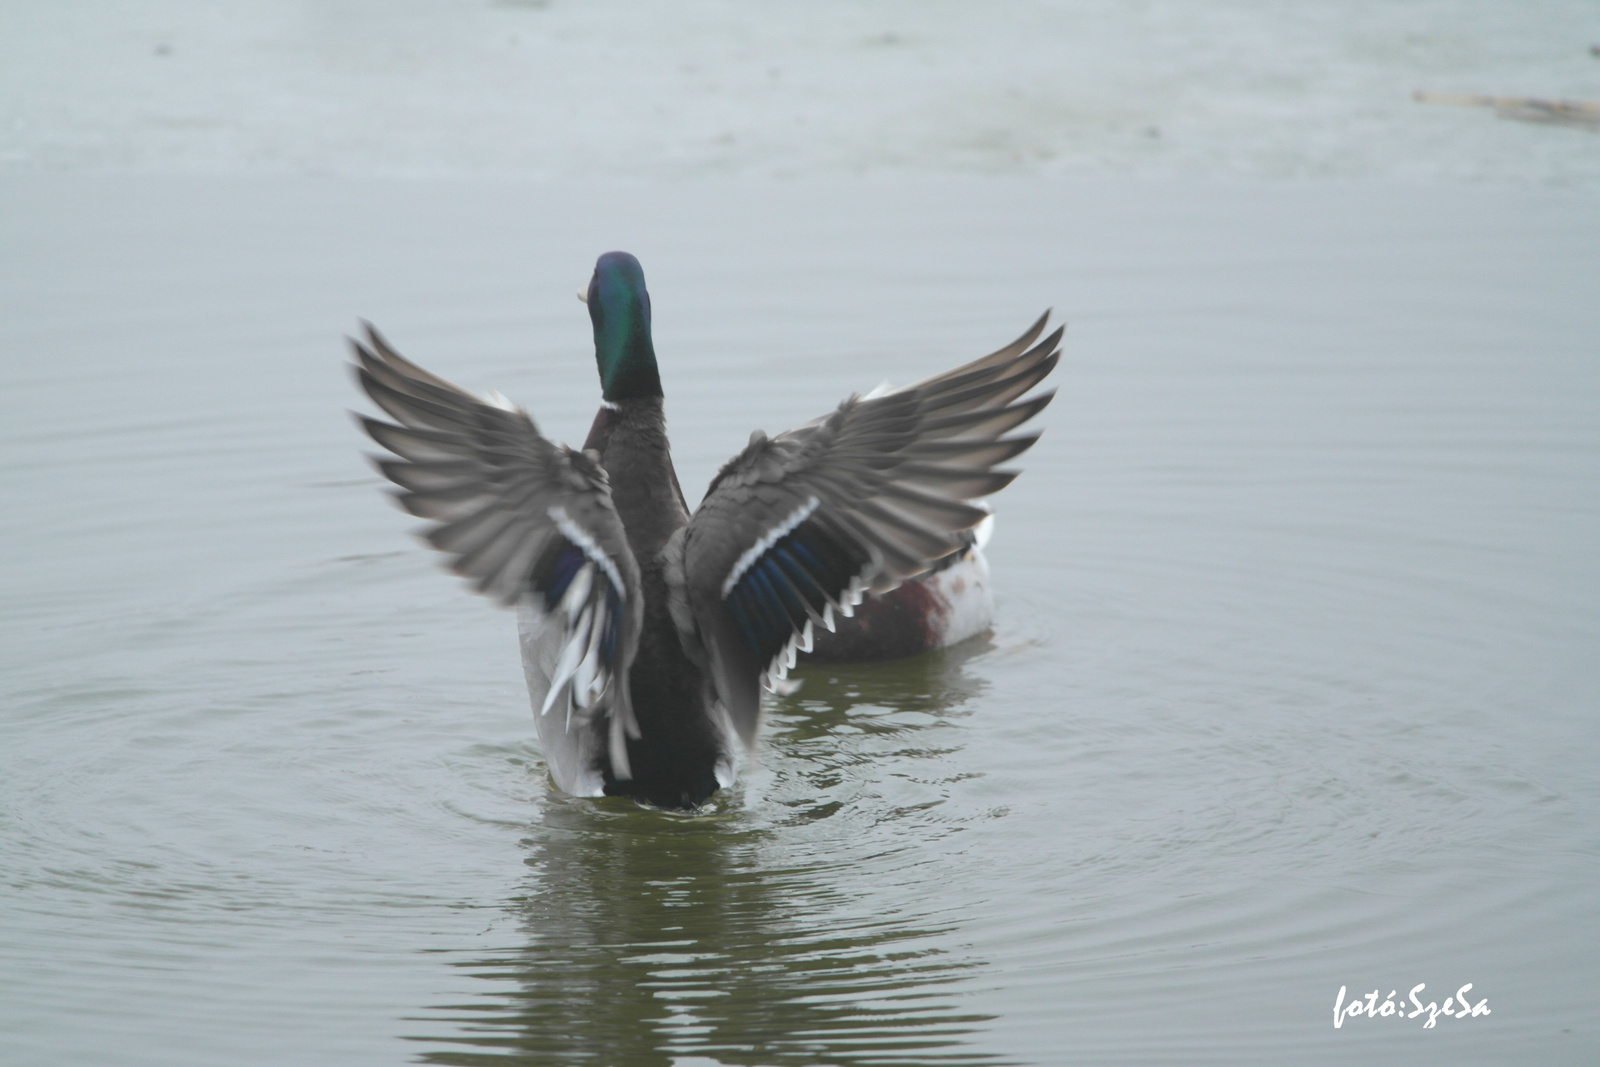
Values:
[(901, 622)]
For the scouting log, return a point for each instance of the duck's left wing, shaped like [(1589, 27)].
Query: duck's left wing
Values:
[(528, 523), (804, 524)]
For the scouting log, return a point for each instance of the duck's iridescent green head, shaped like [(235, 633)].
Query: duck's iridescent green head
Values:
[(619, 307)]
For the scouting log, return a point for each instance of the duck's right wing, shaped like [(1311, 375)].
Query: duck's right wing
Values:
[(804, 524), (530, 524)]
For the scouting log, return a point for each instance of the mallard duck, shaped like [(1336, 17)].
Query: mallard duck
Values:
[(649, 631)]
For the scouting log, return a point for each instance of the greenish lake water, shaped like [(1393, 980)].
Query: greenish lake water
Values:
[(1293, 686)]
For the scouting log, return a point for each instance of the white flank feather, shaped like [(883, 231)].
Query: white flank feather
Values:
[(571, 656), (587, 678), (985, 528), (619, 750), (578, 590)]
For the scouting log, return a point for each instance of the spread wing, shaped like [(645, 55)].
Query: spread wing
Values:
[(528, 524), (804, 524)]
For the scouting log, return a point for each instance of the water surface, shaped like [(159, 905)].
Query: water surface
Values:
[(1293, 685)]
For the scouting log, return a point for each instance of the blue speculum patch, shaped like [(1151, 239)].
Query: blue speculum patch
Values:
[(803, 568)]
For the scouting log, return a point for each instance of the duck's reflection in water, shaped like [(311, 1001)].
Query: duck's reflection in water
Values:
[(748, 936)]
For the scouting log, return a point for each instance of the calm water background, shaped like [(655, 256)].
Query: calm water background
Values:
[(1293, 685)]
